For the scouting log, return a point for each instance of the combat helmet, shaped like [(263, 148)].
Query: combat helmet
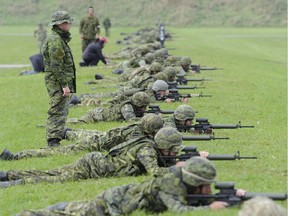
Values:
[(185, 60), (160, 76), (155, 67), (149, 58), (151, 123), (198, 171), (140, 99), (184, 112), (60, 17), (169, 138), (160, 85), (170, 71), (158, 53)]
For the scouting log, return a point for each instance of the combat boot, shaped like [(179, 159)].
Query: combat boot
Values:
[(6, 184), (6, 155), (55, 142), (63, 135), (3, 176)]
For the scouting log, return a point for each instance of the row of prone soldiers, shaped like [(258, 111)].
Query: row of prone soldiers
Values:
[(149, 144)]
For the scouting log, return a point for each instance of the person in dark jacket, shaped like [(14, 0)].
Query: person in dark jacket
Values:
[(93, 53)]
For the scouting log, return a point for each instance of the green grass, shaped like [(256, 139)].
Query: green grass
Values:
[(251, 88)]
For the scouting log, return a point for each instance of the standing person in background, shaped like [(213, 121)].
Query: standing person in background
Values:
[(89, 28), (93, 53), (107, 26), (162, 34), (60, 75), (40, 34)]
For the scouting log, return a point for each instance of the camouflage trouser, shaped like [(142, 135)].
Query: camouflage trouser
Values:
[(66, 208), (57, 112), (92, 165), (93, 115), (88, 140), (86, 42)]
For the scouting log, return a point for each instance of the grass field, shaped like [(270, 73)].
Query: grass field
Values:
[(251, 88)]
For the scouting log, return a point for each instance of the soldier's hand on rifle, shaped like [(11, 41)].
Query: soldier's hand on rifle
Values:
[(204, 154), (185, 100), (180, 164), (81, 36), (218, 205), (66, 91), (240, 192), (169, 100)]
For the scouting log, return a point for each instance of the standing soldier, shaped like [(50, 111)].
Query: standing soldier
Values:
[(107, 25), (162, 34), (89, 28), (60, 75), (40, 34)]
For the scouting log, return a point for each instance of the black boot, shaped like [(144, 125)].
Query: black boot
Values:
[(63, 135), (3, 176), (53, 142), (6, 184), (6, 155)]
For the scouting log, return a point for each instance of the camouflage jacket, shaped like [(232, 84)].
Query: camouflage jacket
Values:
[(89, 27), (166, 192), (58, 59), (137, 156)]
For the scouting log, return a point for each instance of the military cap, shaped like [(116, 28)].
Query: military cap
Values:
[(60, 17), (198, 171), (169, 138)]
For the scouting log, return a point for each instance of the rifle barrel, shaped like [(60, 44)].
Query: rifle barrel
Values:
[(228, 157), (201, 138), (229, 126), (274, 196)]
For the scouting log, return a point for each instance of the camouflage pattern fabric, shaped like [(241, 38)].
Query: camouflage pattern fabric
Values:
[(40, 34), (87, 140), (89, 27), (134, 157), (118, 112), (169, 120), (59, 73), (157, 195)]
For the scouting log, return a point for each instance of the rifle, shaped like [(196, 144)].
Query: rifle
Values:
[(174, 85), (198, 68), (181, 80), (153, 109), (205, 127), (202, 138), (174, 94), (191, 151), (228, 194)]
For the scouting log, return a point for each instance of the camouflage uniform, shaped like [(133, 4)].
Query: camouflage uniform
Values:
[(59, 73), (88, 140), (182, 113), (107, 26), (134, 157), (118, 110), (40, 34), (89, 26), (157, 195)]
